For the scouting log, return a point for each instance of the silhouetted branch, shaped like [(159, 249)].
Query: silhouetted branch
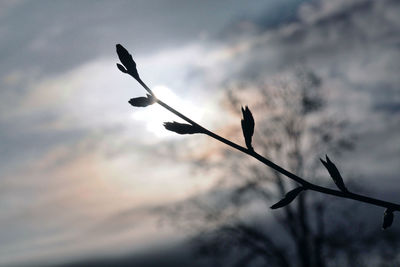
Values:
[(129, 67)]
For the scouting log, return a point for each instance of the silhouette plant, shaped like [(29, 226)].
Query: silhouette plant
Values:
[(129, 67)]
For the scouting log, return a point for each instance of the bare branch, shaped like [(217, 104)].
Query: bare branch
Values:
[(130, 68)]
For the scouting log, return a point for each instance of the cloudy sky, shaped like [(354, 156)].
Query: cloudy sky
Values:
[(81, 171)]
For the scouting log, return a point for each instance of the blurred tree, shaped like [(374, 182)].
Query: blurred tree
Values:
[(292, 123)]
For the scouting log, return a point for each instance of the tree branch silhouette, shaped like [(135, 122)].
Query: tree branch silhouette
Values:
[(129, 67)]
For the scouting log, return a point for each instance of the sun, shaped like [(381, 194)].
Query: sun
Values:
[(154, 116)]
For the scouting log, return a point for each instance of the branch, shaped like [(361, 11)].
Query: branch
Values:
[(247, 126)]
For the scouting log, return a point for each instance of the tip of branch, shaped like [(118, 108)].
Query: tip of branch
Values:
[(128, 64)]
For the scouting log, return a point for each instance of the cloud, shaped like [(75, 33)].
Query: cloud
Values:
[(353, 47), (73, 157)]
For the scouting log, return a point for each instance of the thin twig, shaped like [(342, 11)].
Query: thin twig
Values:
[(248, 130)]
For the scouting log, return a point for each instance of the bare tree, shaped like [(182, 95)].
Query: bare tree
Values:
[(293, 125)]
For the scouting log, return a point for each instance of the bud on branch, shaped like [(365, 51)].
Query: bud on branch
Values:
[(129, 65), (182, 128), (289, 197), (334, 173), (388, 217), (142, 101), (247, 126)]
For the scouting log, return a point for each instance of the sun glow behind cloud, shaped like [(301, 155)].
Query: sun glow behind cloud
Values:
[(94, 162), (154, 116)]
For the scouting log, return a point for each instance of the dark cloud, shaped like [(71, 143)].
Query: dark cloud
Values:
[(353, 47), (276, 14), (57, 36)]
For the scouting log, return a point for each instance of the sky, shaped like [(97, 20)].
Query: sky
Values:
[(82, 173)]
